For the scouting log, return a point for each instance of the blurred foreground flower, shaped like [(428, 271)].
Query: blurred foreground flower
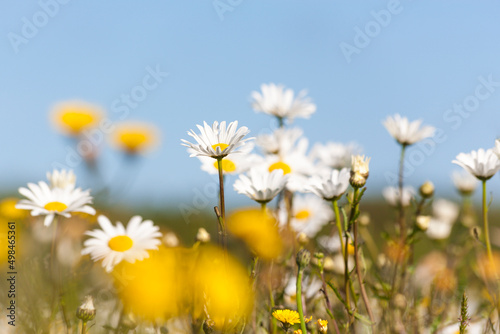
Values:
[(406, 132), (482, 164), (42, 200), (8, 210), (74, 117), (115, 244), (259, 231), (135, 137), (217, 141), (280, 102)]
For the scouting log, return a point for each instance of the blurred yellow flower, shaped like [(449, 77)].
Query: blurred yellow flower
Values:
[(9, 212), (487, 270), (135, 137), (322, 326), (221, 287), (73, 117), (152, 288), (258, 229)]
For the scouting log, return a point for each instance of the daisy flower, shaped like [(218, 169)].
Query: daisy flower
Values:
[(280, 102), (331, 187), (445, 210), (464, 182), (309, 214), (62, 179), (233, 164), (310, 288), (114, 244), (391, 195), (260, 185), (406, 132), (42, 200), (438, 229), (482, 164), (74, 117), (134, 137), (217, 141), (280, 141), (335, 155)]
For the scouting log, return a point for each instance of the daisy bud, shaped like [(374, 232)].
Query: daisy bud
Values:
[(422, 222), (359, 171), (303, 258), (86, 312), (475, 232), (303, 239), (328, 264), (322, 326), (427, 189), (400, 301), (202, 236), (170, 239), (364, 219)]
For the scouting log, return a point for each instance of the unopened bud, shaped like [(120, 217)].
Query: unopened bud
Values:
[(202, 236), (170, 239), (359, 171), (328, 264), (364, 219), (422, 222), (303, 258), (303, 239), (475, 232), (427, 189), (86, 312)]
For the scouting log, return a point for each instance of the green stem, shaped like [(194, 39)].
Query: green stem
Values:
[(339, 225), (84, 327), (222, 205), (486, 230), (263, 207), (401, 218), (299, 300)]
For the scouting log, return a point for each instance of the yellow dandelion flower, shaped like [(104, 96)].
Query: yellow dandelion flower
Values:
[(135, 137), (298, 331), (322, 326), (287, 317), (74, 117), (259, 231)]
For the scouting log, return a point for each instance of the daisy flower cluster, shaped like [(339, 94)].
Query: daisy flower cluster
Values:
[(309, 254)]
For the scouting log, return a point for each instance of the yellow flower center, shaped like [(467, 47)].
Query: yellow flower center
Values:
[(120, 243), (227, 166), (55, 206), (133, 141), (304, 214), (222, 146), (76, 121), (280, 165)]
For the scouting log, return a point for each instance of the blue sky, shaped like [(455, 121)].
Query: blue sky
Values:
[(359, 61)]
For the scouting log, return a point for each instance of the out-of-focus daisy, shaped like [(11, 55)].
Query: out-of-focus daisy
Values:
[(294, 163), (445, 210), (260, 185), (406, 132), (438, 229), (114, 244), (280, 141), (332, 244), (280, 102), (310, 289), (62, 179), (335, 155), (391, 195), (217, 141), (234, 164), (74, 117), (464, 182), (331, 187), (134, 137), (309, 214), (482, 164), (42, 200)]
